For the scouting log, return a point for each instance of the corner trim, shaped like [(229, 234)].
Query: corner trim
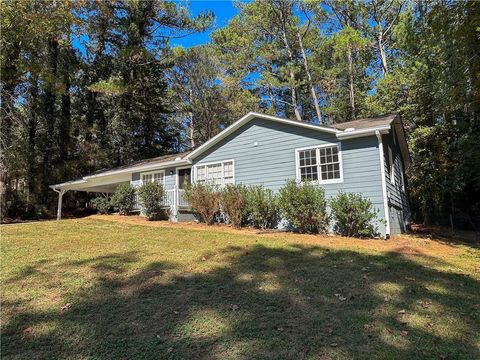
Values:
[(384, 183)]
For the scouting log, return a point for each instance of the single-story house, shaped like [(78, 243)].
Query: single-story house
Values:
[(366, 156)]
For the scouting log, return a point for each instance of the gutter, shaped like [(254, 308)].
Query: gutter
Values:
[(346, 134)]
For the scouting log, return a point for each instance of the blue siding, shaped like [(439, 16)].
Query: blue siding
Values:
[(398, 203), (264, 153)]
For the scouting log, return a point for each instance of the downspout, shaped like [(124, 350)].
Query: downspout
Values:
[(384, 184)]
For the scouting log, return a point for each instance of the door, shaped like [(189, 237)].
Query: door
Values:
[(184, 178)]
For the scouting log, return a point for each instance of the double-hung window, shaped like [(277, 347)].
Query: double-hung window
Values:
[(322, 164), (153, 176), (218, 173)]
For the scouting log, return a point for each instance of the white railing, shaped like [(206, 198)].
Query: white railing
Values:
[(171, 199)]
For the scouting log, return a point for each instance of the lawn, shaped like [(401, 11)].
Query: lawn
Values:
[(102, 288)]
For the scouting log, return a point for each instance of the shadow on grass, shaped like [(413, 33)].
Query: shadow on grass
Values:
[(269, 303)]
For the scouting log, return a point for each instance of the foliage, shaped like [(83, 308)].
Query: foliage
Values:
[(304, 206), (151, 197), (204, 200), (232, 203), (261, 208), (123, 199), (89, 85), (354, 215), (102, 204)]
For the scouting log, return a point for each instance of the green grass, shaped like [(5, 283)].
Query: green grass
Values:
[(140, 292)]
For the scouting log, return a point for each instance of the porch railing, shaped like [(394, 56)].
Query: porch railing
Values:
[(170, 200)]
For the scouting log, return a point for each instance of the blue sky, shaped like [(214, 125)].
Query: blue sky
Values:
[(223, 10)]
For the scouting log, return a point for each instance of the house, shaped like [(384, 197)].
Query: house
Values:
[(367, 156)]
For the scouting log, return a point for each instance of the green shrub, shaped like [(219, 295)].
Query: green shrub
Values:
[(354, 215), (204, 201), (151, 196), (232, 203), (101, 204), (261, 208), (304, 206), (124, 199)]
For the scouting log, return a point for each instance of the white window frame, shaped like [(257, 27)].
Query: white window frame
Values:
[(317, 153), (153, 172), (222, 162)]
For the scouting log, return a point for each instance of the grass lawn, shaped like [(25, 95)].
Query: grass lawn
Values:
[(102, 288)]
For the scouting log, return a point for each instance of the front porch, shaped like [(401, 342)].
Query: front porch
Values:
[(174, 200), (172, 171)]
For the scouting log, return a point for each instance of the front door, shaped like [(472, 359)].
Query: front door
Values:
[(184, 177)]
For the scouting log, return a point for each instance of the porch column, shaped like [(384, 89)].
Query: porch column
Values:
[(175, 202), (59, 206)]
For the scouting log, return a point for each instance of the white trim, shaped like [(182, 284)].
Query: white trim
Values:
[(391, 162), (161, 171), (222, 162), (384, 183), (150, 166), (317, 154), (363, 132), (250, 116)]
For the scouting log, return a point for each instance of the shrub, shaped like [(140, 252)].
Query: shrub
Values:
[(204, 200), (101, 204), (354, 215), (261, 209), (232, 203), (151, 197), (304, 206), (124, 198)]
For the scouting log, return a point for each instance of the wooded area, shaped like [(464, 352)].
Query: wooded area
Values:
[(88, 85)]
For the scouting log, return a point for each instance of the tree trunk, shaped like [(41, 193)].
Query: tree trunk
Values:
[(192, 121), (32, 135), (65, 124), (310, 81), (50, 115), (272, 99), (383, 56), (350, 81), (292, 74)]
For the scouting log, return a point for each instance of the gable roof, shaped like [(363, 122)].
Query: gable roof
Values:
[(347, 130), (367, 122), (247, 118)]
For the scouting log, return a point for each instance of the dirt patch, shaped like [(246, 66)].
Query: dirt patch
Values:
[(405, 244)]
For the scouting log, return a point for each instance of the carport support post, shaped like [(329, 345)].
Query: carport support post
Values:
[(59, 206)]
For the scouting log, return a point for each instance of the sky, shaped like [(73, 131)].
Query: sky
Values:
[(223, 10)]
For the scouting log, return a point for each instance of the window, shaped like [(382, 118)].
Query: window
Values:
[(322, 164), (219, 173), (156, 176), (308, 165)]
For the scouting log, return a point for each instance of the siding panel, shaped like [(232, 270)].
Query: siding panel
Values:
[(398, 203), (264, 153)]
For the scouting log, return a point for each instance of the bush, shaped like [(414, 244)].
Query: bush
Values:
[(204, 200), (124, 199), (354, 215), (151, 197), (232, 203), (101, 204), (304, 206), (261, 209)]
